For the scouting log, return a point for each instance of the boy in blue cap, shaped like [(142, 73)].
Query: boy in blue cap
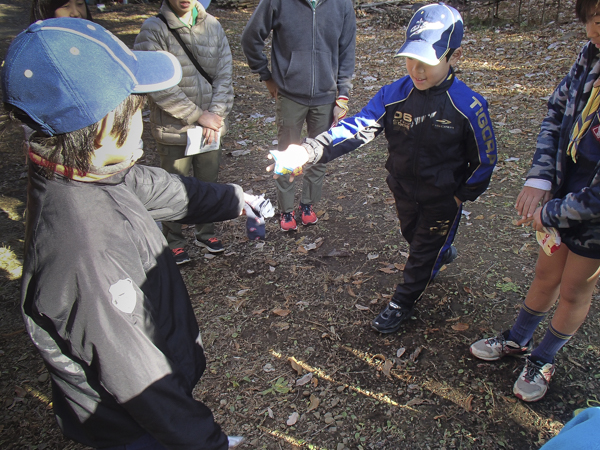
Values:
[(442, 150), (102, 297)]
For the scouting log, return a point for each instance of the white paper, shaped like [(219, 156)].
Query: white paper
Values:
[(196, 142)]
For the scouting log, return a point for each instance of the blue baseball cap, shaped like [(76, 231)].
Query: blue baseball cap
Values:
[(432, 32), (67, 73)]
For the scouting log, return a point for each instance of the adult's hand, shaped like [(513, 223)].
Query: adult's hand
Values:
[(210, 135), (272, 87), (338, 114), (210, 120), (289, 161), (528, 200)]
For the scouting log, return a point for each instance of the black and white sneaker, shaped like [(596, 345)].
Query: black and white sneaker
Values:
[(213, 244), (181, 256), (390, 319)]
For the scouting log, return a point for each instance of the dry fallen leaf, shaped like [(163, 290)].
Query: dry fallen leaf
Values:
[(297, 367), (304, 380), (387, 366), (314, 403), (460, 326), (292, 419), (361, 307), (351, 292), (20, 392), (468, 403), (388, 270), (414, 355), (281, 312)]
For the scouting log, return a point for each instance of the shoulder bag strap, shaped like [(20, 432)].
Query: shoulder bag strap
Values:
[(187, 50)]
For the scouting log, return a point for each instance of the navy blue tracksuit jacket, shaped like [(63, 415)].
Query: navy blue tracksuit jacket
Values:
[(441, 145)]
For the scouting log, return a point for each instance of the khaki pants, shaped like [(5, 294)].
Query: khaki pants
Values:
[(290, 119), (205, 167)]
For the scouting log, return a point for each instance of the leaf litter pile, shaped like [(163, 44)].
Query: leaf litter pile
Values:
[(292, 361)]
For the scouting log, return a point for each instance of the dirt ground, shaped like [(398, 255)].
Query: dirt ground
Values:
[(292, 362)]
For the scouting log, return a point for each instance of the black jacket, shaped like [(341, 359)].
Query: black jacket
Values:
[(441, 142), (105, 304)]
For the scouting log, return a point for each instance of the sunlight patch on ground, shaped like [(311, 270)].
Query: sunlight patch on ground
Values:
[(11, 207), (10, 263), (321, 374)]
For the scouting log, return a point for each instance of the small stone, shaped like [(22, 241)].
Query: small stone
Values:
[(329, 419)]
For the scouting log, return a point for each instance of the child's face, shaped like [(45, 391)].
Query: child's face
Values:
[(73, 8), (182, 7), (425, 76), (592, 26)]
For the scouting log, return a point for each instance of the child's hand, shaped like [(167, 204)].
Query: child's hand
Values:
[(528, 200), (535, 220), (289, 161), (258, 206)]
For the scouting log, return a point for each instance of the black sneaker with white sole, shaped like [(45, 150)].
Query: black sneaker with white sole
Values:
[(213, 244), (181, 256), (390, 319)]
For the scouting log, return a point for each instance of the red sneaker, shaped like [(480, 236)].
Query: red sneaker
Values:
[(308, 215), (287, 222)]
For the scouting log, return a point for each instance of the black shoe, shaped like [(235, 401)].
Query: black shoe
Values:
[(449, 255), (390, 319), (213, 244), (181, 256)]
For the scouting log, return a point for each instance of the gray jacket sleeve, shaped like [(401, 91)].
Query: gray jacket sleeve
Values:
[(153, 36), (347, 47), (222, 98), (254, 35)]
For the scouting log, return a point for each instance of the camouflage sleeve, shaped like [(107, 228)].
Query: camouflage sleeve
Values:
[(574, 208), (544, 160), (561, 108)]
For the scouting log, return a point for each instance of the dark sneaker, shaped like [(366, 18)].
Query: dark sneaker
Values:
[(533, 382), (449, 255), (498, 347), (212, 244), (309, 217), (181, 256), (287, 222), (390, 319)]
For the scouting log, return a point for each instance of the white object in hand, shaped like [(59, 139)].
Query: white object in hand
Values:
[(289, 160)]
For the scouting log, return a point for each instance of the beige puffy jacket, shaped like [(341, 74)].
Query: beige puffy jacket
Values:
[(175, 110)]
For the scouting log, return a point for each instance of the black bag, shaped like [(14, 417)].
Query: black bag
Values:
[(187, 50)]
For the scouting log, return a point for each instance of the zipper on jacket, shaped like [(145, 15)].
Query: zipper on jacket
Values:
[(418, 143), (314, 52)]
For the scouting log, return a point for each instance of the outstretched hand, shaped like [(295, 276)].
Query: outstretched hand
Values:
[(528, 201), (289, 161)]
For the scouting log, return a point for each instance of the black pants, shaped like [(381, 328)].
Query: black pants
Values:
[(429, 228)]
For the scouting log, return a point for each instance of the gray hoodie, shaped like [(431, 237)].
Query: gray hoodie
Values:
[(312, 56)]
